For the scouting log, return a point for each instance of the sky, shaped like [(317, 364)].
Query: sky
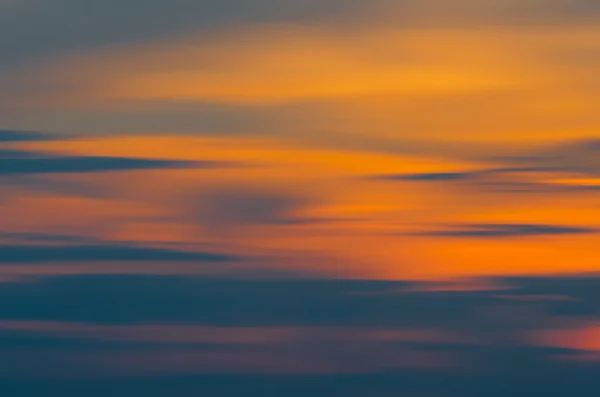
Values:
[(299, 198)]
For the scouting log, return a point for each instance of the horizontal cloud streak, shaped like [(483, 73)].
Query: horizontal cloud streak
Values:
[(114, 23), (581, 156), (117, 22), (25, 136), (84, 164), (282, 302), (91, 253), (510, 230), (222, 209)]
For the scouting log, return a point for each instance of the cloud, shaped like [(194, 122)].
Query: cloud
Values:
[(268, 350), (383, 82), (436, 13), (221, 301), (433, 177), (85, 164), (168, 319), (580, 156), (14, 153), (154, 299), (13, 254), (46, 238), (225, 208), (316, 302), (517, 381), (534, 176), (25, 136), (460, 176), (510, 230), (129, 21), (379, 85)]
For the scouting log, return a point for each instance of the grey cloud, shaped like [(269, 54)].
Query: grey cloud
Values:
[(45, 238), (85, 164), (46, 29), (523, 374), (99, 252), (25, 136), (52, 183), (199, 300), (520, 12), (178, 116), (432, 177), (15, 153), (164, 300), (285, 302), (509, 230), (50, 28), (511, 180), (230, 207), (457, 176), (581, 157)]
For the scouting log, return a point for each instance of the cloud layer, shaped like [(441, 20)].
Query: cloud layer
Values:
[(299, 198)]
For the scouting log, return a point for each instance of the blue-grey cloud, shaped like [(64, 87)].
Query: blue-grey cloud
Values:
[(581, 157), (25, 136), (508, 369), (509, 230), (46, 29), (432, 177), (86, 253), (524, 377), (220, 209), (46, 238), (219, 301), (509, 179), (480, 174), (15, 153), (276, 302), (86, 164)]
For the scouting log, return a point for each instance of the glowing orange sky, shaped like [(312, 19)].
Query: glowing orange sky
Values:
[(358, 222), (321, 193), (480, 111)]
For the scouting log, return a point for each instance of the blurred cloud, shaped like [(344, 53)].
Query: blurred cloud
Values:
[(17, 161), (120, 22), (510, 230), (14, 153), (24, 136), (84, 164), (460, 176), (12, 254), (131, 21), (154, 299), (188, 299), (516, 380), (45, 238), (415, 76), (380, 332), (435, 177), (541, 174), (581, 156), (222, 209)]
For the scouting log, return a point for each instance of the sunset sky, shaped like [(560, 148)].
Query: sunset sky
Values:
[(299, 198)]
